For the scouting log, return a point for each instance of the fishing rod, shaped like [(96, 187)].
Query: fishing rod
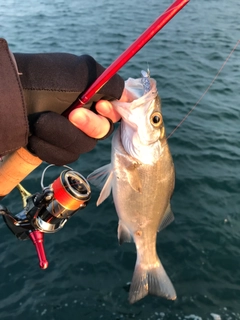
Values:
[(48, 211), (141, 41)]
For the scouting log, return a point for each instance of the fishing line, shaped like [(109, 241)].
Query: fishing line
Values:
[(191, 110)]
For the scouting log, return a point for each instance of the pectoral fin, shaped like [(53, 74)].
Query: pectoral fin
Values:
[(132, 172), (134, 180), (167, 218)]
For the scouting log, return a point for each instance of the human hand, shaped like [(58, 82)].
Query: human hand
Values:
[(51, 83), (55, 140), (96, 125)]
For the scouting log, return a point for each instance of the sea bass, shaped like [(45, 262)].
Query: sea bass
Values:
[(141, 177)]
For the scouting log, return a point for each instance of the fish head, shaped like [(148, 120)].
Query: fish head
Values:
[(142, 127)]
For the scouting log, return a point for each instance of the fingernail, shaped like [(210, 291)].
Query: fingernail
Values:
[(104, 107), (78, 117), (108, 109)]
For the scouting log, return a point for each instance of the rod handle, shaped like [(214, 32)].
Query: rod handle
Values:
[(14, 168)]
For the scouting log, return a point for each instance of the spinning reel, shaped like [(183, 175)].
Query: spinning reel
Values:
[(48, 211)]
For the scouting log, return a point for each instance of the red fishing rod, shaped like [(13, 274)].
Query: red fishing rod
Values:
[(147, 35)]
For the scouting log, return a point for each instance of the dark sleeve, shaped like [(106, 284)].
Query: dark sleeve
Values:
[(53, 81), (13, 118)]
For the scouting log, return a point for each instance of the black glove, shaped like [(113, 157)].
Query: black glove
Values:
[(56, 140), (48, 82)]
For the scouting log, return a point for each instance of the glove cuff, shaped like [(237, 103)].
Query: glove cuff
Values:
[(110, 131), (13, 115)]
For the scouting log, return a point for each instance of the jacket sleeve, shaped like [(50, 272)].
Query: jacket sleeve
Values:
[(13, 114)]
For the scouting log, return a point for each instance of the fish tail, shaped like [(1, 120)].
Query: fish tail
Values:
[(151, 279)]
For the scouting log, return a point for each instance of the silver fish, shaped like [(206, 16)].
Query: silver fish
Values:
[(141, 177)]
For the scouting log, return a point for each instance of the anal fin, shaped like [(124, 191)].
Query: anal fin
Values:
[(124, 234)]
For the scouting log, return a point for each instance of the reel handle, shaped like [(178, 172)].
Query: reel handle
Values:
[(37, 238)]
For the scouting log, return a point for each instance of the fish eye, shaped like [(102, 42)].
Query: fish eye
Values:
[(156, 119)]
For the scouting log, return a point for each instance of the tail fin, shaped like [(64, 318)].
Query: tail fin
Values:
[(153, 280)]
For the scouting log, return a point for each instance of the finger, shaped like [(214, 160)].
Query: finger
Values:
[(105, 108), (95, 126)]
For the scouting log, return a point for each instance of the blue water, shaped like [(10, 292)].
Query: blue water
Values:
[(88, 271)]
